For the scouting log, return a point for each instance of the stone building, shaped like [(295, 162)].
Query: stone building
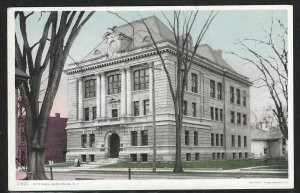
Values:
[(110, 104)]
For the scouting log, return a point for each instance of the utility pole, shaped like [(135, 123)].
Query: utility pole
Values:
[(154, 118)]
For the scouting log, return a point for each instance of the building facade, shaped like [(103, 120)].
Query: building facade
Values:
[(56, 141), (110, 101)]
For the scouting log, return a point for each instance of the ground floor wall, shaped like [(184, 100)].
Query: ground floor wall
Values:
[(135, 143)]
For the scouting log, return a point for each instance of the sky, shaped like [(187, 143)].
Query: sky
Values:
[(227, 28)]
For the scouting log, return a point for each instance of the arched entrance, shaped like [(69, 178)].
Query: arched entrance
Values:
[(114, 145)]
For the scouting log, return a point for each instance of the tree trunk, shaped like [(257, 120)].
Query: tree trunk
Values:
[(178, 161), (35, 161)]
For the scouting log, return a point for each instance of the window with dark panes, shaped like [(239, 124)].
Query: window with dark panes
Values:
[(218, 155), (114, 84), (144, 157), (223, 155), (221, 139), (195, 138), (239, 141), (197, 156), (83, 158), (144, 136), (238, 118), (92, 157), (240, 155), (136, 108), (213, 156), (234, 155), (216, 114), (221, 114), (232, 140), (219, 88), (133, 138), (141, 79), (244, 98), (184, 108), (94, 113), (187, 137), (231, 94), (212, 139), (217, 139), (114, 113), (232, 117), (245, 141), (146, 107), (212, 89), (194, 109), (194, 83), (188, 157), (244, 119), (212, 113), (238, 96), (83, 141), (86, 114), (90, 88), (246, 155), (92, 140), (133, 157)]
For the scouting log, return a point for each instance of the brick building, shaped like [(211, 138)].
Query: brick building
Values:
[(56, 141), (110, 104)]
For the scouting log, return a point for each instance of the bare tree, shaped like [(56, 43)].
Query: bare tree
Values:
[(50, 52), (181, 26), (270, 56)]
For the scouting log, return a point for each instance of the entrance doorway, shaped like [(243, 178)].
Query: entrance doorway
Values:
[(114, 145)]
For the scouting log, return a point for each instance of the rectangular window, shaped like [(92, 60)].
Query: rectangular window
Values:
[(218, 156), (114, 84), (246, 155), (90, 88), (212, 89), (133, 157), (188, 157), (146, 107), (92, 140), (197, 157), (211, 113), (217, 114), (219, 88), (144, 136), (212, 139), (234, 155), (133, 138), (213, 156), (136, 108), (141, 79), (114, 113), (238, 118), (265, 150), (223, 155), (221, 114), (83, 141), (94, 113), (194, 109), (195, 138), (232, 140), (83, 158), (239, 141), (144, 157), (244, 98), (221, 139), (231, 94), (232, 117), (86, 114), (238, 96), (240, 155), (184, 108), (217, 139), (245, 141), (194, 83), (244, 119), (92, 157), (187, 137)]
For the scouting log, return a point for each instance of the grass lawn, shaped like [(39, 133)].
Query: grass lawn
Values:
[(226, 165), (61, 165)]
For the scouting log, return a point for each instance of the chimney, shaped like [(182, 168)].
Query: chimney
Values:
[(57, 115)]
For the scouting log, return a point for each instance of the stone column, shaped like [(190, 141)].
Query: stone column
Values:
[(128, 79), (123, 92), (103, 96), (98, 98), (80, 95)]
